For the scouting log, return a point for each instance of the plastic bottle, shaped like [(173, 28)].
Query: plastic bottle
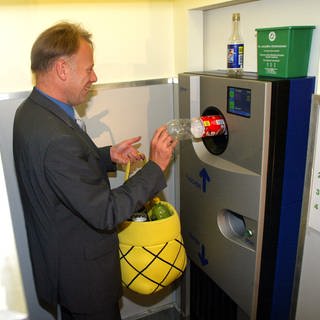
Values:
[(139, 217), (159, 210), (235, 48), (204, 126)]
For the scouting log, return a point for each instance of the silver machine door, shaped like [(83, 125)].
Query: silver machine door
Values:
[(223, 182)]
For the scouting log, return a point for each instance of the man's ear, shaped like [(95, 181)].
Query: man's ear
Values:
[(61, 68)]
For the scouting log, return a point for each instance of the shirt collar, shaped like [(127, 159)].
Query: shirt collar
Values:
[(67, 108)]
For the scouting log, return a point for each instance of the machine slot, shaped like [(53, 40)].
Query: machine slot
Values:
[(216, 144), (237, 228)]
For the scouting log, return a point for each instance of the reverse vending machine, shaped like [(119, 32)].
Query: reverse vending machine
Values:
[(241, 192)]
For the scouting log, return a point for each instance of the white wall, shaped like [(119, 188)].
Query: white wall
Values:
[(133, 39), (258, 14), (147, 39), (188, 31)]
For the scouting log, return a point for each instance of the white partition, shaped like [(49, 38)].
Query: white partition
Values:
[(113, 113), (8, 106), (12, 300), (307, 269)]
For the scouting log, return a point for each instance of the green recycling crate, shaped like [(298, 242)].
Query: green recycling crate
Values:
[(283, 52)]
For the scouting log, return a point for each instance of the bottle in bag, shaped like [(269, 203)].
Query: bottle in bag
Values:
[(139, 217), (158, 211), (235, 48), (201, 127)]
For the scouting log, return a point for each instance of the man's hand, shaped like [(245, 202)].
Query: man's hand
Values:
[(123, 152), (162, 146)]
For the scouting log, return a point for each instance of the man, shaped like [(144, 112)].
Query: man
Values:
[(70, 211)]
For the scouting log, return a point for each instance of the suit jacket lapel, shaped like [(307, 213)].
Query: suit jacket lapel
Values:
[(53, 108)]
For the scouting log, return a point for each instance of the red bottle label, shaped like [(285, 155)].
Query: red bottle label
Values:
[(213, 125)]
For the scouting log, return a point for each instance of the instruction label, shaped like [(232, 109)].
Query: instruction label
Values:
[(202, 182), (272, 57)]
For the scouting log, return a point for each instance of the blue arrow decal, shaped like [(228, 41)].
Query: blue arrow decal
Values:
[(205, 178), (202, 255)]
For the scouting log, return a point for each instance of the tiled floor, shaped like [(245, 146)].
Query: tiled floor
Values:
[(168, 314)]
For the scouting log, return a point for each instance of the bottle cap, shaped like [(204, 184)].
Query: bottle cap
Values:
[(137, 217), (236, 17)]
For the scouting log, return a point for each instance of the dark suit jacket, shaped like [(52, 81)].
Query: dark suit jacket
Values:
[(71, 213)]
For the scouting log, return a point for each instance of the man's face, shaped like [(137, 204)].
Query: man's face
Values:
[(81, 74)]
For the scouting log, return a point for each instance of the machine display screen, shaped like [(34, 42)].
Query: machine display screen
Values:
[(239, 101)]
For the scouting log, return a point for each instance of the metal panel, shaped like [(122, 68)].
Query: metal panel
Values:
[(233, 194)]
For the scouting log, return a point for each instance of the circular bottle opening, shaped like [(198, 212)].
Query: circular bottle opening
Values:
[(216, 144)]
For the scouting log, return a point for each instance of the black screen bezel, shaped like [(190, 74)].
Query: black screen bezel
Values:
[(239, 113)]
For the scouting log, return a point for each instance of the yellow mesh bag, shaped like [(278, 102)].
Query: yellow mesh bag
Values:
[(152, 254)]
